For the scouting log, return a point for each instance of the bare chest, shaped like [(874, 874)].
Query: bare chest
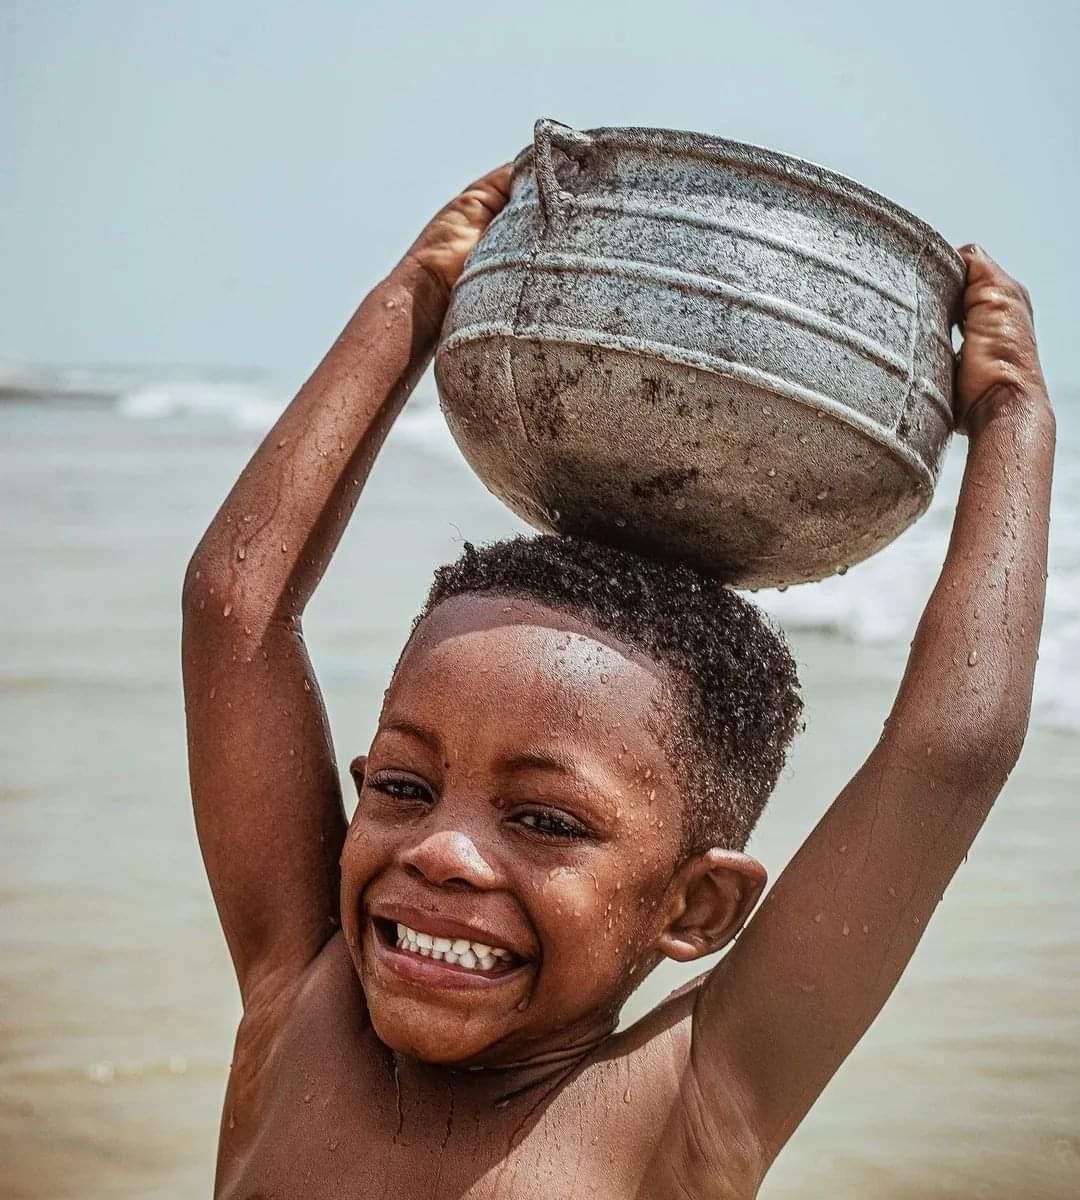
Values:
[(359, 1136), (328, 1117)]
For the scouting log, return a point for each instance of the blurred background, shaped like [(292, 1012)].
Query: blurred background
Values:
[(195, 197)]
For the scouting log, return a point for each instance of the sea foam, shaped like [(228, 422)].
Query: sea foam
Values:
[(877, 602)]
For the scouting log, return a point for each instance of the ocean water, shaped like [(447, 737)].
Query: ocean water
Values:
[(878, 602), (117, 999)]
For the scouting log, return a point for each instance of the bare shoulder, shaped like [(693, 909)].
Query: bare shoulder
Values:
[(695, 1139), (287, 1022)]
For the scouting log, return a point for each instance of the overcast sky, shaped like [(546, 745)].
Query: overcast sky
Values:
[(218, 182)]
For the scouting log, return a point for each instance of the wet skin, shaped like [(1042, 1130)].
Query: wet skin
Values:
[(497, 805), (515, 790), (513, 794)]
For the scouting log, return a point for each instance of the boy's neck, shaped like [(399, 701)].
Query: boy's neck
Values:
[(498, 1084)]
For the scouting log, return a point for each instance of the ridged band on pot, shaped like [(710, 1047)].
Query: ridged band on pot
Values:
[(704, 350)]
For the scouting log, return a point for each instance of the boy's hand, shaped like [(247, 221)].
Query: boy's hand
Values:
[(448, 238), (998, 365)]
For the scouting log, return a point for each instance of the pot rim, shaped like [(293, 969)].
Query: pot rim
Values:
[(787, 167)]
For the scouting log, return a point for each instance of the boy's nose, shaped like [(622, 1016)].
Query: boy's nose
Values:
[(448, 857)]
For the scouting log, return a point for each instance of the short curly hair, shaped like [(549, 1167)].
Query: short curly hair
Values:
[(734, 685)]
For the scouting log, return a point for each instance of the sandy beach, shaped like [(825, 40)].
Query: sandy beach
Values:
[(117, 1000)]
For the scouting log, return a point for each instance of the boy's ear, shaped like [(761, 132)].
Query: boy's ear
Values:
[(356, 769), (711, 897)]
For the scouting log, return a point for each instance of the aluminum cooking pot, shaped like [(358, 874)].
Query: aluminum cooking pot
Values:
[(703, 350)]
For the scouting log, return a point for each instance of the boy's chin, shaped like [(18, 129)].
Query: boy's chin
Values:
[(441, 1043)]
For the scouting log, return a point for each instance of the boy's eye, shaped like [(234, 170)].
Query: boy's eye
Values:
[(553, 825), (400, 788)]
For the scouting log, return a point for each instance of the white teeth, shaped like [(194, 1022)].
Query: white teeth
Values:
[(473, 956)]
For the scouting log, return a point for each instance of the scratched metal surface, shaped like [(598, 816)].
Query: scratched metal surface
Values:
[(703, 349)]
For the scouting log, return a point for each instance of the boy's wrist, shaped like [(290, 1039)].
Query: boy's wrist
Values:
[(410, 283), (1027, 406)]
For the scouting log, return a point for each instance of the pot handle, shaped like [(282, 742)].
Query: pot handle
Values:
[(554, 202)]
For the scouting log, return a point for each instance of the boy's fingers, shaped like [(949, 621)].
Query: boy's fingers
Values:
[(497, 180), (984, 274)]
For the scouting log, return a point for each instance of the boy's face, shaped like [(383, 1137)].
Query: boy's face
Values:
[(516, 797)]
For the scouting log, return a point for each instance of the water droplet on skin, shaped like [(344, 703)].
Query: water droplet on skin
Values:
[(783, 587), (241, 553), (771, 472), (841, 570), (232, 1119), (846, 929), (916, 920), (580, 712), (817, 918), (626, 1096), (866, 928), (284, 547), (332, 1144), (281, 444), (603, 677), (680, 504), (308, 1096), (307, 685), (391, 304), (892, 892), (973, 658), (823, 493), (843, 849)]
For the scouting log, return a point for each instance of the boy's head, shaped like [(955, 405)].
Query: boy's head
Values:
[(573, 751)]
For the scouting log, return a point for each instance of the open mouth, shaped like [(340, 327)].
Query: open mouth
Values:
[(434, 957)]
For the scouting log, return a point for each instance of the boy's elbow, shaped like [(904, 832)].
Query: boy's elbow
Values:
[(203, 580), (981, 752), (984, 755), (209, 592)]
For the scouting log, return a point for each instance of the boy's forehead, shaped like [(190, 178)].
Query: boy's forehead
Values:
[(519, 652)]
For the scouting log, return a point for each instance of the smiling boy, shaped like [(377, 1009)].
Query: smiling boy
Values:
[(572, 752)]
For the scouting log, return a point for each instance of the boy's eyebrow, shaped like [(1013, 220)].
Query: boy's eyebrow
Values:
[(539, 760), (428, 736), (532, 760)]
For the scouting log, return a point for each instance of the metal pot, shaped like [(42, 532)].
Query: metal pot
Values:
[(703, 350)]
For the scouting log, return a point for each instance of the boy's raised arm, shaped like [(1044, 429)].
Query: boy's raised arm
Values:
[(814, 967), (266, 793)]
